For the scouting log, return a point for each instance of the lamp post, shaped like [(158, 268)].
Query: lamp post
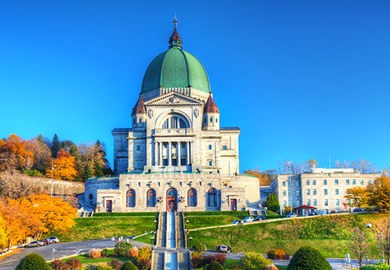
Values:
[(190, 238), (151, 241)]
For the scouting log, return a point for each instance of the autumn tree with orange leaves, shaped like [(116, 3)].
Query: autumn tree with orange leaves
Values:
[(64, 167), (378, 193), (33, 216)]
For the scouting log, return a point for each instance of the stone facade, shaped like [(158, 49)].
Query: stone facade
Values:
[(175, 157), (321, 188)]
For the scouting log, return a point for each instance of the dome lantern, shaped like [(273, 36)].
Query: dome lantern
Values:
[(175, 39)]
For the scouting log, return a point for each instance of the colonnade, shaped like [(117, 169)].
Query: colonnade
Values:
[(172, 153)]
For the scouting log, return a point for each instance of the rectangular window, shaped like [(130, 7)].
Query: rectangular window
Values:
[(138, 148), (308, 192), (326, 202), (284, 193), (315, 202), (308, 201), (308, 182), (297, 183), (211, 119), (347, 181), (224, 147), (337, 191), (210, 162), (325, 182), (297, 193), (353, 181), (337, 202), (362, 182), (284, 183), (210, 147), (336, 181), (284, 203), (369, 182), (314, 182), (325, 192), (314, 192)]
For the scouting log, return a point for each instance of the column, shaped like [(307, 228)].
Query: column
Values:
[(188, 153), (178, 154), (161, 153), (170, 154), (155, 153)]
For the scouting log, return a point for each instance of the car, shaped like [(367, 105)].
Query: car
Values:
[(236, 222), (312, 213), (248, 219), (37, 243), (291, 215), (357, 210), (52, 240), (259, 218), (224, 248)]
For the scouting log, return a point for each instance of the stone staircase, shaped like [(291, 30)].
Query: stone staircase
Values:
[(170, 252)]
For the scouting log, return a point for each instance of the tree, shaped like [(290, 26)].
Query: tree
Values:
[(3, 233), (254, 261), (128, 266), (33, 261), (15, 185), (55, 214), (378, 193), (272, 202), (14, 151), (382, 231), (264, 180), (308, 258), (55, 146), (363, 166), (64, 167), (42, 154), (357, 196), (359, 244)]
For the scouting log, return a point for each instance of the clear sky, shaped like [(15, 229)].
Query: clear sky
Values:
[(302, 79)]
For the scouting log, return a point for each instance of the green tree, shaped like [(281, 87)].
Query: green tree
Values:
[(129, 266), (55, 146), (254, 261), (33, 261), (308, 258), (272, 202), (87, 172)]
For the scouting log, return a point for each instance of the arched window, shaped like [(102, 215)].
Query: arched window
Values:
[(192, 197), (130, 198), (90, 199), (212, 198), (151, 198), (174, 122)]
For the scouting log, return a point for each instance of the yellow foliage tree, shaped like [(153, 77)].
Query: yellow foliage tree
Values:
[(378, 193), (357, 196), (24, 156), (55, 214), (3, 233), (64, 167)]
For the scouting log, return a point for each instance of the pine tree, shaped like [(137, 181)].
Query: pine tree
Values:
[(272, 202), (87, 172), (55, 146)]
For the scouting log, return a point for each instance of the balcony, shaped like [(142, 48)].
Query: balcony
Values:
[(173, 132)]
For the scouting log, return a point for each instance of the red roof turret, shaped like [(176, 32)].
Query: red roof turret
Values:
[(139, 107), (210, 106)]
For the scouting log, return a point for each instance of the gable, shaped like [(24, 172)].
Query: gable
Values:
[(173, 99)]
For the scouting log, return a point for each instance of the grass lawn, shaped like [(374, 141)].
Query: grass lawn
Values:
[(101, 227)]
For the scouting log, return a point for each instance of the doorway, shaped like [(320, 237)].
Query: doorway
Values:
[(233, 204), (171, 200), (109, 206)]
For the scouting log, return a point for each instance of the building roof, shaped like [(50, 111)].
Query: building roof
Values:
[(175, 68), (304, 207), (210, 106), (139, 107)]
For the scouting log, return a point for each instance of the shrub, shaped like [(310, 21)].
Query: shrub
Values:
[(129, 266), (376, 267), (103, 267), (254, 261), (198, 247), (95, 253), (221, 258), (133, 252), (144, 258), (214, 265), (104, 252), (278, 254), (122, 248), (33, 261), (57, 264), (196, 260), (116, 264), (271, 267), (308, 258), (73, 264)]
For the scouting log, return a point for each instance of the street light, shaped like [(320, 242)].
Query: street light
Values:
[(151, 241), (190, 238)]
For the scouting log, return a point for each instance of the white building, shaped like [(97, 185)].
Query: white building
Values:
[(175, 156), (321, 188)]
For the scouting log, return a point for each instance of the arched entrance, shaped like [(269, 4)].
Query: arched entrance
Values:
[(171, 200)]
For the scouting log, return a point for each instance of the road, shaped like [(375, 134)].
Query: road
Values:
[(69, 249)]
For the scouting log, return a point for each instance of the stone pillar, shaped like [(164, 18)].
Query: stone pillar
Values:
[(178, 154), (161, 154), (188, 153), (170, 154), (155, 153)]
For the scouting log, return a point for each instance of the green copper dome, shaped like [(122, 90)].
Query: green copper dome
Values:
[(175, 68)]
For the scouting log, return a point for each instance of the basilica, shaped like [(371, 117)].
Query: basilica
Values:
[(175, 156)]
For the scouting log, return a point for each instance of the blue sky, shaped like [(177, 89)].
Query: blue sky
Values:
[(302, 79)]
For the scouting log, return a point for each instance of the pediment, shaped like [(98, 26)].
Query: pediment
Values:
[(172, 99)]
